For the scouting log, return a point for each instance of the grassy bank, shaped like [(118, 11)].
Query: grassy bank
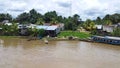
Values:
[(81, 35), (65, 34)]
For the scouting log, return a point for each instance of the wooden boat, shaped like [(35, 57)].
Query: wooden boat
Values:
[(106, 39), (46, 41)]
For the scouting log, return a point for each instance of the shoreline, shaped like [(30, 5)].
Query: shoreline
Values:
[(49, 39)]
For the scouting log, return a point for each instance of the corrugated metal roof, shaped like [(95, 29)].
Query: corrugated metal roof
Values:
[(109, 37), (47, 27), (115, 38), (52, 27), (42, 27)]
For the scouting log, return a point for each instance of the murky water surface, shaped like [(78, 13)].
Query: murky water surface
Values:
[(20, 53)]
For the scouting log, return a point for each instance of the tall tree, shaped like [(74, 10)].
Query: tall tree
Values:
[(69, 24), (76, 19), (89, 25), (49, 16), (98, 21), (107, 22), (107, 17), (60, 19), (5, 17), (34, 15), (23, 18), (40, 21), (115, 18)]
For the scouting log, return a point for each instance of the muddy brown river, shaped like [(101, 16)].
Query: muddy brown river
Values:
[(20, 53)]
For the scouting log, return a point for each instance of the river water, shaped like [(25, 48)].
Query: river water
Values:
[(20, 53)]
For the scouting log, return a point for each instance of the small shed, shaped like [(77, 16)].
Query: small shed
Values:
[(99, 27), (108, 28), (53, 30)]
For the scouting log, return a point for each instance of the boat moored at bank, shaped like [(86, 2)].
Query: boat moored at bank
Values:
[(107, 39)]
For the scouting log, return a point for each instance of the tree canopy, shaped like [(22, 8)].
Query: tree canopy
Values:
[(71, 22), (114, 19), (5, 17)]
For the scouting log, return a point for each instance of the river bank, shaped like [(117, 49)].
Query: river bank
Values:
[(49, 38), (62, 36)]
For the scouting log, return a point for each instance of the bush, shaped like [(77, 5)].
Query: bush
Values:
[(36, 32), (41, 32), (94, 32), (116, 32)]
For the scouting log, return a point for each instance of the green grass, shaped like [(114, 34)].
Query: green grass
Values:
[(81, 35)]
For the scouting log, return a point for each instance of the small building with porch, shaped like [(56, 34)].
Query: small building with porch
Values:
[(108, 28), (53, 31), (50, 30)]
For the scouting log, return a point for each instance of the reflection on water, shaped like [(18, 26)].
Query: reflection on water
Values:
[(20, 53)]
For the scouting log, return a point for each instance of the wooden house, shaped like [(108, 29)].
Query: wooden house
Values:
[(53, 30)]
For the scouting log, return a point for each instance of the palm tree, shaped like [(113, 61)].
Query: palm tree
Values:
[(40, 21), (54, 21)]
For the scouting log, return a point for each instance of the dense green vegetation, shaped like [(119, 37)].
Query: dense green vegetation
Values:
[(89, 25), (33, 17), (81, 35), (36, 32), (11, 30), (5, 17), (108, 19), (51, 17), (116, 32)]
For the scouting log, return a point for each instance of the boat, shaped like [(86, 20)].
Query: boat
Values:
[(46, 41), (106, 39)]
